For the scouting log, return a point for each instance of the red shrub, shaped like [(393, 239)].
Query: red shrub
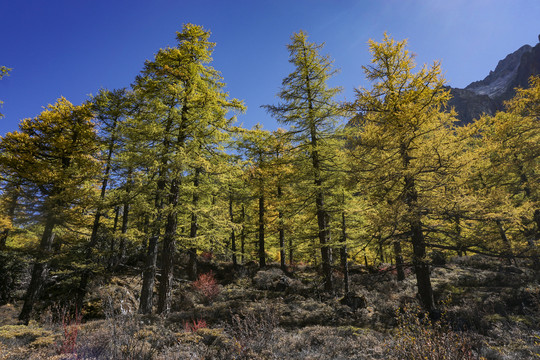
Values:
[(71, 327), (206, 285), (196, 325)]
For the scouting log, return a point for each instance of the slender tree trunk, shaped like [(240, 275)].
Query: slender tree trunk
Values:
[(243, 235), (291, 252), (123, 234), (233, 237), (457, 231), (262, 255), (40, 271), (168, 252), (281, 231), (509, 254), (533, 243), (192, 264), (398, 253), (112, 254), (344, 260)]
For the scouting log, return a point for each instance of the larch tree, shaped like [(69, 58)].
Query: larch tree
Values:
[(403, 126), (526, 139), (184, 112), (308, 106), (506, 178), (52, 158)]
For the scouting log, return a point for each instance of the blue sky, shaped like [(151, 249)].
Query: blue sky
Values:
[(72, 48)]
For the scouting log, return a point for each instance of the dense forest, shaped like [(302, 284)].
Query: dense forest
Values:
[(154, 191)]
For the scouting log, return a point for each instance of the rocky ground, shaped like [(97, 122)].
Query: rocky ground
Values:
[(490, 310)]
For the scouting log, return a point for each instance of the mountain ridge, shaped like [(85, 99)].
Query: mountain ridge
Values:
[(487, 96)]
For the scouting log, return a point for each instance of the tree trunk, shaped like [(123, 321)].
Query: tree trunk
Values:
[(40, 271), (322, 215), (508, 251), (281, 232), (421, 267), (399, 260), (168, 252), (324, 237), (534, 239), (147, 290), (381, 250), (262, 255), (344, 260), (233, 237), (123, 234), (243, 235), (291, 252), (194, 226), (149, 273)]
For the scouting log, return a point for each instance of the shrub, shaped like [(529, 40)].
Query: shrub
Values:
[(71, 326), (206, 286), (253, 329), (418, 337), (195, 325)]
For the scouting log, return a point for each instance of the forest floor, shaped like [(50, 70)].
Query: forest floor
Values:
[(489, 310)]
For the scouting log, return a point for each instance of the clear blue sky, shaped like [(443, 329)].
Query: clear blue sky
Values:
[(72, 48)]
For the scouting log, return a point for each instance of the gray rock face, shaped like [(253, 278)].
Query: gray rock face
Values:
[(470, 106), (498, 81), (487, 96)]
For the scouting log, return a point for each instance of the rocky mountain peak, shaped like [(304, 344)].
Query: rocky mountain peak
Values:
[(488, 95), (497, 82)]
